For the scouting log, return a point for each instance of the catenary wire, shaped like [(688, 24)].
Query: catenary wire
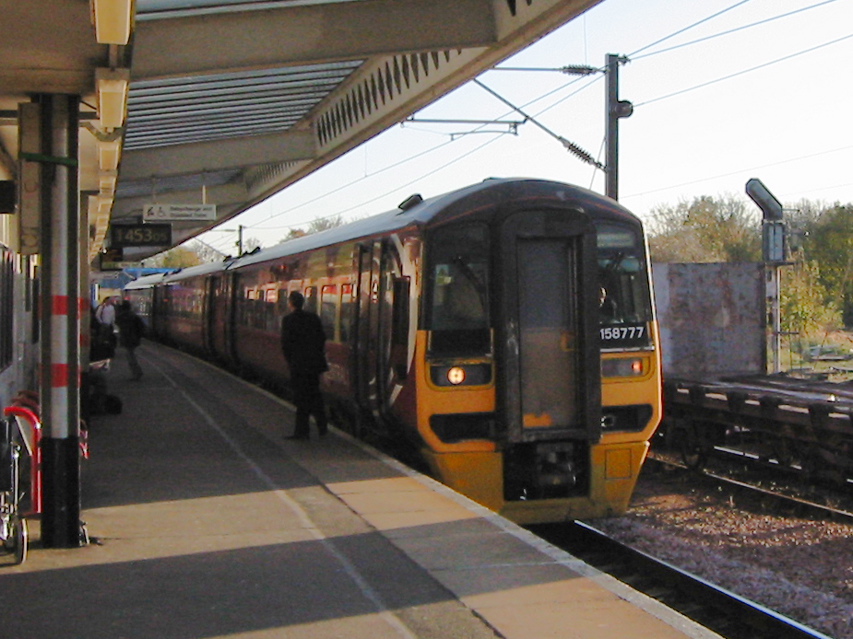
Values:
[(745, 71), (736, 172), (544, 96), (730, 31), (687, 28)]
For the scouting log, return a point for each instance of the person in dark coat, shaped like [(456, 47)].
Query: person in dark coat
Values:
[(130, 331), (303, 343)]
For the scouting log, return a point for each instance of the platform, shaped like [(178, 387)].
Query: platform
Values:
[(207, 523)]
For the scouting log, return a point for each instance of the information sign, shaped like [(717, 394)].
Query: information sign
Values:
[(178, 212)]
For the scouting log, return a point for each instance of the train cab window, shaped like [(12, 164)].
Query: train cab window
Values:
[(458, 301), (625, 307)]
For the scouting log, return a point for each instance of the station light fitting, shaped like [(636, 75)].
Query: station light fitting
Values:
[(112, 85), (113, 20), (107, 183), (108, 155)]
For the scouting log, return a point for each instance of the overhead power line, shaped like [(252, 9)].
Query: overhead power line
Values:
[(745, 71), (730, 31), (687, 28)]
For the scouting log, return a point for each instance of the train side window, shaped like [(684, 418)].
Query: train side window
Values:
[(283, 308), (310, 294), (400, 313), (346, 312), (329, 310), (7, 277), (400, 327)]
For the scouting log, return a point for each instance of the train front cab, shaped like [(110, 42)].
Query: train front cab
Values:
[(511, 408)]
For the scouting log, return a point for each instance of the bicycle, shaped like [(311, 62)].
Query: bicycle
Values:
[(20, 432)]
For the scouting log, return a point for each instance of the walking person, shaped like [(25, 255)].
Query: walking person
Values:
[(106, 312), (131, 329), (303, 343)]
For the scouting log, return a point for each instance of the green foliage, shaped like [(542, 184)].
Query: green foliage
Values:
[(828, 240), (816, 290), (705, 230), (803, 306)]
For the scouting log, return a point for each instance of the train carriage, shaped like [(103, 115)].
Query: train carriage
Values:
[(505, 329), (19, 334)]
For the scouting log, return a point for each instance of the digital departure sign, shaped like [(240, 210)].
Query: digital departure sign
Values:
[(125, 235)]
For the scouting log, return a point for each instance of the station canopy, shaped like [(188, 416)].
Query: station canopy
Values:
[(214, 106)]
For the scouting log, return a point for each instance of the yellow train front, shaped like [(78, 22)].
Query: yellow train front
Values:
[(537, 372), (505, 329)]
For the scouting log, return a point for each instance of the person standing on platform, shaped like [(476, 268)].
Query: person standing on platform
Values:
[(103, 328), (106, 312), (130, 331), (303, 343)]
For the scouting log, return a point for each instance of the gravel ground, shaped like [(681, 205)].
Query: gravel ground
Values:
[(801, 568)]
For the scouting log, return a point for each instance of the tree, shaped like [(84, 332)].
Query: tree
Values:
[(251, 244), (828, 240), (206, 252), (705, 230), (815, 288), (315, 226), (803, 305), (178, 257)]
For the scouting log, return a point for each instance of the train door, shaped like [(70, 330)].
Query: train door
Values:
[(393, 328), (366, 373), (550, 373), (225, 317), (218, 323), (208, 326), (160, 320)]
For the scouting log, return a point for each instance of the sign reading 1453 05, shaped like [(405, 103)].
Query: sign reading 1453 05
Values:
[(141, 235)]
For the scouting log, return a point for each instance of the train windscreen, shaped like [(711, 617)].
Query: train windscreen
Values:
[(625, 306), (458, 304)]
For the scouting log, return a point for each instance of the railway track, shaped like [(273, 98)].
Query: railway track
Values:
[(719, 610), (777, 501)]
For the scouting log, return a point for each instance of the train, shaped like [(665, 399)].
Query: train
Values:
[(505, 331), (19, 330)]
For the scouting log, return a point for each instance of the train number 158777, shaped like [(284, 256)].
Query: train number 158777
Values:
[(621, 333)]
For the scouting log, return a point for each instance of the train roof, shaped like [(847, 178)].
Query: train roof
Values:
[(414, 212), (200, 269), (423, 211), (145, 281)]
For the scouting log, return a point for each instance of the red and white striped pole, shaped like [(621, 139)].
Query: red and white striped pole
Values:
[(60, 321)]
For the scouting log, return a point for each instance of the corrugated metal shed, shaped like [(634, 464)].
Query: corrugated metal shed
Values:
[(712, 318)]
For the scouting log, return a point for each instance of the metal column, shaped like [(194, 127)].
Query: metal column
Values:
[(616, 109), (60, 320)]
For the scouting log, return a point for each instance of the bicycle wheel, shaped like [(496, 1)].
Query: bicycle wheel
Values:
[(20, 534)]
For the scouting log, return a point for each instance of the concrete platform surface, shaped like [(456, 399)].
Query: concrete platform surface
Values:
[(207, 523)]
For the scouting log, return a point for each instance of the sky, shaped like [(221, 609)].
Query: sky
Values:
[(723, 91)]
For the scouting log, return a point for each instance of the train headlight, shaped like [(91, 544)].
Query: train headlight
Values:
[(622, 367), (456, 375)]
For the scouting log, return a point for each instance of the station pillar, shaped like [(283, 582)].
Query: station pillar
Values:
[(60, 312)]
